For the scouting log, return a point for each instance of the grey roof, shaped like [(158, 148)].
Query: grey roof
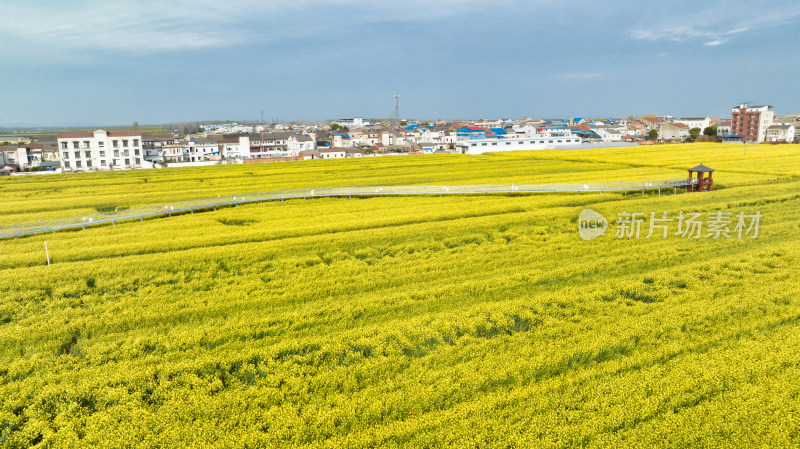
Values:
[(702, 168), (237, 135), (273, 136), (208, 140)]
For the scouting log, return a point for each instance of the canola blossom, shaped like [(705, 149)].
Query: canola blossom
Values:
[(464, 321)]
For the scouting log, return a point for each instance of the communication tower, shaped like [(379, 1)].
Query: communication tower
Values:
[(396, 107)]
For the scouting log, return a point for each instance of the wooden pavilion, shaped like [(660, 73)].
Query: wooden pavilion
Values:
[(701, 183)]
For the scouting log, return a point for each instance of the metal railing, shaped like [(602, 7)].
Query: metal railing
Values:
[(181, 207)]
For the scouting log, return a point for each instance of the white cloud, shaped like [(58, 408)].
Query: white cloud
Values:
[(151, 25), (717, 23), (579, 76), (139, 27)]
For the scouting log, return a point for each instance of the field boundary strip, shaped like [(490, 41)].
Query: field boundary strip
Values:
[(191, 206)]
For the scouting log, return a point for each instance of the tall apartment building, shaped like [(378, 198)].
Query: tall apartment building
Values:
[(100, 149), (751, 122)]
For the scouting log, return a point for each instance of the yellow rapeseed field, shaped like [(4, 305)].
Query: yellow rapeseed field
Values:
[(464, 321)]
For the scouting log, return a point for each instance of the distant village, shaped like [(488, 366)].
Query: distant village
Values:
[(228, 143)]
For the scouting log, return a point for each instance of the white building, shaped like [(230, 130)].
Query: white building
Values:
[(352, 122), (607, 133), (695, 122), (27, 156), (200, 150), (724, 127), (227, 128), (365, 137), (236, 147), (282, 144), (172, 153), (672, 131), (354, 153), (527, 130), (341, 141), (152, 143), (479, 146), (333, 153), (101, 150), (437, 134), (780, 133)]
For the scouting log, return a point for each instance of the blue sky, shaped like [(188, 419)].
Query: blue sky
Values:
[(115, 62)]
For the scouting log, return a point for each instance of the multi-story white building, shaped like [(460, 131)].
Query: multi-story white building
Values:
[(101, 150)]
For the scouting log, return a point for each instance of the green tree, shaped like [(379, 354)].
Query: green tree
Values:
[(403, 123), (694, 133), (652, 134), (135, 125), (710, 131), (335, 126)]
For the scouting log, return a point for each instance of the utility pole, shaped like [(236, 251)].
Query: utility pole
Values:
[(397, 107)]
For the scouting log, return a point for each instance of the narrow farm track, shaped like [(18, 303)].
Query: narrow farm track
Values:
[(167, 210)]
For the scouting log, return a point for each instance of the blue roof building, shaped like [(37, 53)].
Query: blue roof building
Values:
[(471, 132)]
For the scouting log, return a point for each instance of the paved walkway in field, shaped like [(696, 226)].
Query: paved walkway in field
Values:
[(182, 207)]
